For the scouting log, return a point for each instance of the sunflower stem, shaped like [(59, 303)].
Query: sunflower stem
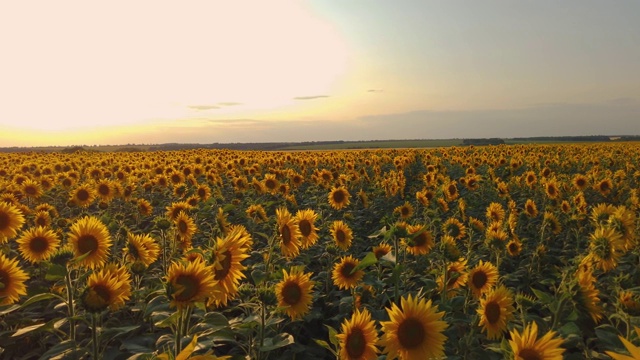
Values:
[(72, 313), (94, 336), (262, 323), (179, 325)]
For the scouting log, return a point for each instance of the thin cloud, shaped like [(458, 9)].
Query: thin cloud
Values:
[(375, 90), (229, 103), (310, 97), (203, 107)]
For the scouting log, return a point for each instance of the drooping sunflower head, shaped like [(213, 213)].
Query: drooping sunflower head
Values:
[(228, 255), (339, 198), (629, 302), (289, 233), (419, 240), (256, 213), (90, 235), (586, 297), (482, 278), (600, 214), (11, 220), (306, 223), (530, 208), (12, 278), (381, 250), (343, 275), (189, 283), (604, 187), (495, 311), (294, 293), (342, 234), (514, 247), (359, 337), (414, 330), (606, 246), (222, 221), (108, 288), (141, 247), (38, 244), (495, 212), (144, 207), (551, 222), (454, 228), (457, 276)]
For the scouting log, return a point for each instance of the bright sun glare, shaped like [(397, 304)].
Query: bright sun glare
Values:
[(78, 65)]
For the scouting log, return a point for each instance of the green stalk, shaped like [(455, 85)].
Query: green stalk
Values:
[(94, 335), (72, 313)]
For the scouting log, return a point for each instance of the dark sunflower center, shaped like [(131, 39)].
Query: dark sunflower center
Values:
[(103, 292), (581, 182), (38, 244), (82, 195), (226, 266), (552, 190), (420, 240), (404, 211), (341, 236), (604, 186), (187, 287), (5, 280), (270, 184), (479, 279), (4, 220), (87, 243), (338, 197), (453, 230), (202, 193), (305, 227), (41, 221), (530, 354), (530, 209), (380, 253), (104, 189), (30, 190), (513, 248), (291, 293), (492, 312), (452, 190), (346, 269), (183, 227), (530, 178), (286, 235), (356, 343), (411, 333)]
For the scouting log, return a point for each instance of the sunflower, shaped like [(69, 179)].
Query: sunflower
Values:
[(482, 278), (604, 187), (381, 250), (623, 222), (12, 279), (342, 234), (339, 198), (31, 189), (551, 222), (586, 298), (343, 275), (364, 198), (527, 346), (271, 184), (185, 228), (90, 235), (359, 337), (420, 240), (308, 231), (258, 186), (144, 207), (530, 208), (405, 210), (289, 233), (514, 247), (105, 190), (256, 213), (229, 252), (606, 246), (176, 208), (110, 287), (11, 220), (629, 302), (421, 196), (551, 189), (203, 192), (457, 276), (451, 191), (580, 182), (454, 228), (294, 293), (600, 213), (496, 310), (450, 248), (38, 244), (42, 218), (413, 331), (187, 283), (633, 350), (141, 247), (495, 212), (476, 225)]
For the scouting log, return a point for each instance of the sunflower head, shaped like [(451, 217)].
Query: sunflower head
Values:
[(482, 278), (38, 244), (90, 237), (11, 220), (527, 345), (12, 279), (343, 273), (496, 310), (359, 337), (294, 293), (339, 198), (189, 283)]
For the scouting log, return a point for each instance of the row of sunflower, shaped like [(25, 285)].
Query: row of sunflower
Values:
[(414, 253)]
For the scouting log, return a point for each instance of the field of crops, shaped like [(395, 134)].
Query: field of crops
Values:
[(520, 251)]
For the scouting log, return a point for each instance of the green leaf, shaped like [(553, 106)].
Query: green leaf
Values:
[(276, 342), (332, 335), (543, 296), (369, 259), (56, 272), (258, 276), (169, 321), (31, 300), (28, 329), (79, 258)]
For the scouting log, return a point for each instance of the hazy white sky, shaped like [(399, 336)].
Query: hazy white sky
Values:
[(77, 72)]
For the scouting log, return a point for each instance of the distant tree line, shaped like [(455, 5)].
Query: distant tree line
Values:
[(488, 141)]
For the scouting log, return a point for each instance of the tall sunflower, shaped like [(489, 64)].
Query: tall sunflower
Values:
[(495, 212), (454, 228), (420, 240), (176, 208), (31, 189), (90, 235), (342, 234), (482, 278), (38, 244), (141, 247), (414, 330), (105, 190), (606, 246), (228, 254), (144, 207), (308, 231), (530, 208), (189, 283), (405, 210), (526, 345), (496, 310), (11, 220), (343, 275), (339, 198), (108, 288), (457, 276), (289, 233), (359, 337), (12, 278), (294, 293)]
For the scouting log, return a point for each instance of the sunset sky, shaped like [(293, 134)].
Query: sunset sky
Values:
[(117, 72)]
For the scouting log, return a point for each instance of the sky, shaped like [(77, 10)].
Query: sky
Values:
[(118, 72)]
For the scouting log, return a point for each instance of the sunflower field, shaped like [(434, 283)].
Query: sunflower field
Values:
[(518, 252)]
